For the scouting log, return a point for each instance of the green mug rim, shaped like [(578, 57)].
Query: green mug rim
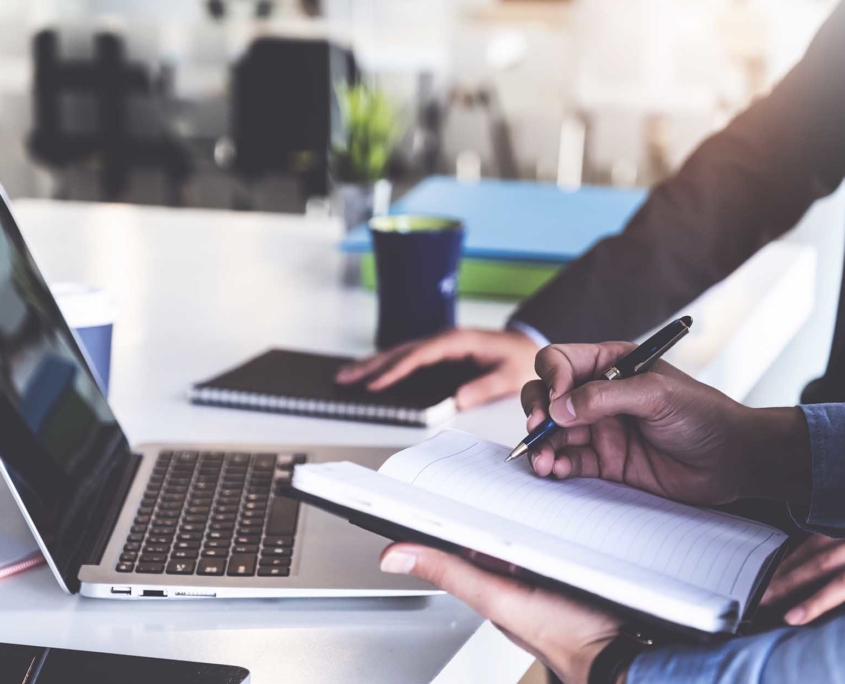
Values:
[(444, 223)]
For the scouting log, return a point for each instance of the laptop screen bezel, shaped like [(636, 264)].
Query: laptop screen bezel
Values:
[(69, 580)]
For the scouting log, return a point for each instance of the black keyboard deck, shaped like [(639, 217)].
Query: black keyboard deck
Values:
[(214, 513)]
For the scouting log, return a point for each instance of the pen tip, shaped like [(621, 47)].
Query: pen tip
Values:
[(687, 321), (516, 453)]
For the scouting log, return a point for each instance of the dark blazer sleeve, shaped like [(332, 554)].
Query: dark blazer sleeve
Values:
[(742, 188)]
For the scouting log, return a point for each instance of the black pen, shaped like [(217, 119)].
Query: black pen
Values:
[(638, 361)]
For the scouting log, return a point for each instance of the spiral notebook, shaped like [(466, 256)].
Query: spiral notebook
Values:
[(18, 550), (300, 383)]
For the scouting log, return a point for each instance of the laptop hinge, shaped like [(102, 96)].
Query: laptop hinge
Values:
[(110, 509)]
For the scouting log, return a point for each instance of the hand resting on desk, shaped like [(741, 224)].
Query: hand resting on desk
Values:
[(508, 357)]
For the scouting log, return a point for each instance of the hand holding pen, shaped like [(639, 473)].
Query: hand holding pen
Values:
[(640, 360)]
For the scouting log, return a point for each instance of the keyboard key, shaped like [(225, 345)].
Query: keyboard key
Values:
[(138, 529), (225, 509), (135, 537), (241, 565), (186, 457), (156, 548), (219, 534), (215, 553), (211, 566), (129, 556), (275, 551), (284, 461), (300, 458), (238, 459), (124, 567), (185, 553), (145, 510), (273, 572), (230, 492), (264, 462), (255, 506), (159, 540), (247, 539), (256, 524), (192, 527), (196, 518), (173, 498), (132, 546), (153, 558), (204, 486), (170, 506), (150, 568), (278, 541), (274, 562), (249, 515), (189, 536), (186, 545), (222, 527), (245, 548), (199, 510), (217, 544), (282, 519), (284, 479), (163, 531), (260, 498), (180, 567)]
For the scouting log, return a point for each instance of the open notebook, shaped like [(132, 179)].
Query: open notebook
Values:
[(694, 568)]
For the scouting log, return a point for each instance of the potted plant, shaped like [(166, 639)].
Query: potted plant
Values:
[(371, 130)]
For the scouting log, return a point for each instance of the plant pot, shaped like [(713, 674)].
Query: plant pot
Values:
[(357, 202)]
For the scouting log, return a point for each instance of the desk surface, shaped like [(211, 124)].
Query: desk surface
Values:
[(199, 291)]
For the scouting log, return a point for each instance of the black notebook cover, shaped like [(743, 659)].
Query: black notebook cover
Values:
[(304, 384)]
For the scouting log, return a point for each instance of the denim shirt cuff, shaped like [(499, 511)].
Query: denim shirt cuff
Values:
[(825, 512)]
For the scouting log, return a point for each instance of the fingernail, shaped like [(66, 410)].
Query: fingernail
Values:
[(795, 616), (562, 411), (398, 563)]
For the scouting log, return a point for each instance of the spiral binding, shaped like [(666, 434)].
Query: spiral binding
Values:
[(306, 407)]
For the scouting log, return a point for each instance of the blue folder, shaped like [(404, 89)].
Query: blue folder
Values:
[(516, 220)]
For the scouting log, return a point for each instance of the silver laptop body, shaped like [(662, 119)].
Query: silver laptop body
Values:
[(96, 506)]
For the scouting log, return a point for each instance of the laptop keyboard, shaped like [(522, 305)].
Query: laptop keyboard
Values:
[(214, 514)]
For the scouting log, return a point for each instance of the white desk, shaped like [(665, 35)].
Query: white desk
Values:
[(199, 291)]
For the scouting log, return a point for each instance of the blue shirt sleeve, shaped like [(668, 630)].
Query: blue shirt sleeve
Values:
[(825, 512), (784, 656)]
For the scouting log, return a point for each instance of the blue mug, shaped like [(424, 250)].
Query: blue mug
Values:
[(417, 261), (90, 313)]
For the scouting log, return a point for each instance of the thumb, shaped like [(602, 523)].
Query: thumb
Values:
[(643, 396), (488, 387)]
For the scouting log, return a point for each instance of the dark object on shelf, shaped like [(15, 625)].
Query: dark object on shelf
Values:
[(105, 140), (284, 111)]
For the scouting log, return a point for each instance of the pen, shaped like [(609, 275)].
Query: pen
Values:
[(638, 361)]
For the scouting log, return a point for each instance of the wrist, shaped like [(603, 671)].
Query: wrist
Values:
[(778, 460)]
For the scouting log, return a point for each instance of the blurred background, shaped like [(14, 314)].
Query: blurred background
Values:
[(234, 104), (335, 106)]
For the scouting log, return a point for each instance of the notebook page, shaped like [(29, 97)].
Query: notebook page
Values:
[(363, 490), (708, 549)]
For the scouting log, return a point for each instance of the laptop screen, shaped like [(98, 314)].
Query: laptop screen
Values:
[(59, 440)]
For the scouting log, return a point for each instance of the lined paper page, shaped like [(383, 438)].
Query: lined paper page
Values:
[(708, 549)]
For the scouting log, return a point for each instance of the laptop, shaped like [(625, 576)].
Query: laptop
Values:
[(158, 521)]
